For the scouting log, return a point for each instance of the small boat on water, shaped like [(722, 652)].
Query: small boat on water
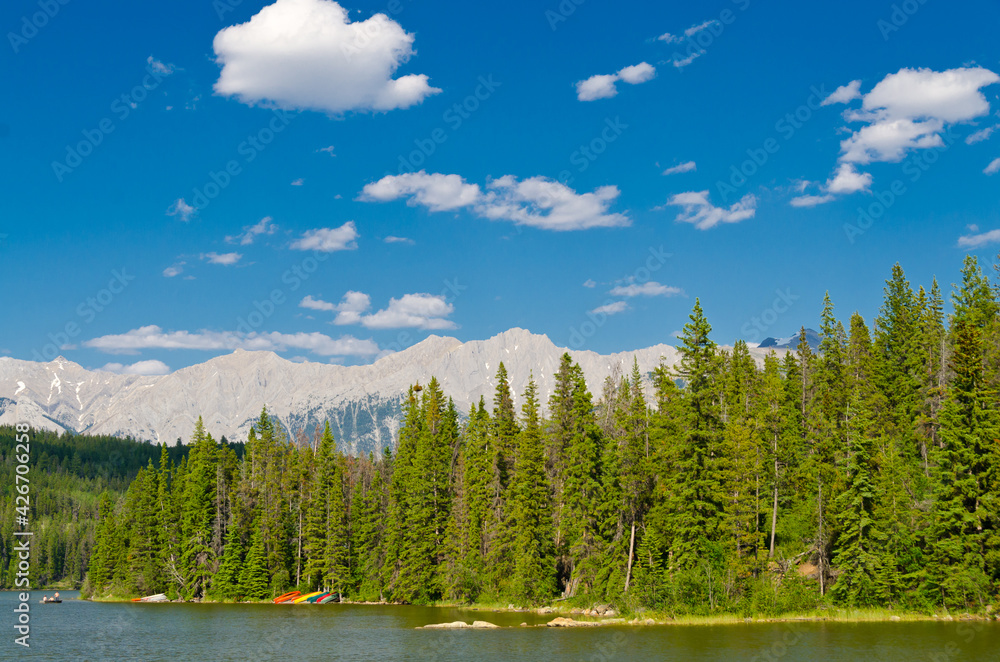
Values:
[(158, 597), (286, 598), (329, 597), (305, 598), (46, 600)]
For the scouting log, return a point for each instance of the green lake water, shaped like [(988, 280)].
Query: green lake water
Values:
[(80, 630)]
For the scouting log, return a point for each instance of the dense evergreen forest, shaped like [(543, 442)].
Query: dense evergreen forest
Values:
[(67, 475), (864, 474)]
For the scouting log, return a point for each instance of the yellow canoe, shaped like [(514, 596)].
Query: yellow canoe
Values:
[(303, 598)]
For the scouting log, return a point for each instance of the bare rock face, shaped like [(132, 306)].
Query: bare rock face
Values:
[(361, 402), (562, 622)]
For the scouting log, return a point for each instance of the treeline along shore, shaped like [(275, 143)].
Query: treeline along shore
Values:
[(865, 474)]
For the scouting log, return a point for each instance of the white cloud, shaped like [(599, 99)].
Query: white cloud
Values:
[(612, 308), (317, 304), (637, 73), (298, 182), (695, 29), (550, 205), (225, 259), (844, 94), (951, 96), (398, 240), (153, 337), (328, 149), (138, 368), (694, 51), (680, 62), (307, 54), (648, 289), (907, 110), (328, 240), (980, 136), (174, 270), (589, 283), (890, 140), (981, 239), (810, 200), (688, 166), (849, 180), (602, 86), (704, 215), (159, 67), (420, 311), (250, 232), (435, 191), (181, 210), (349, 310), (536, 201), (993, 167)]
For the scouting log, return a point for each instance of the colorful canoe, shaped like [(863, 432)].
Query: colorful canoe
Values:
[(329, 597), (304, 598), (159, 597), (287, 597), (316, 598)]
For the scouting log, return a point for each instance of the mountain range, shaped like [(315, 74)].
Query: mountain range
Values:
[(362, 403)]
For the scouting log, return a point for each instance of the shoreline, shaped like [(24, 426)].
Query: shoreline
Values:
[(577, 615)]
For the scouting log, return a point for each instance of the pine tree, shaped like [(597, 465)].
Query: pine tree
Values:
[(533, 577), (697, 498), (576, 437), (254, 574), (226, 582), (859, 542)]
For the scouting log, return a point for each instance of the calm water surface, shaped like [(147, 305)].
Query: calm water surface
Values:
[(79, 630)]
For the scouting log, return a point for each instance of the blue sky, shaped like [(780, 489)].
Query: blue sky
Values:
[(399, 168)]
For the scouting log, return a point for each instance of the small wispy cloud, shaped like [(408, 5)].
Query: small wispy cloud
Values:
[(688, 166), (182, 210), (264, 226), (977, 239), (980, 136), (225, 259), (174, 270), (398, 240), (648, 289), (993, 167), (612, 308)]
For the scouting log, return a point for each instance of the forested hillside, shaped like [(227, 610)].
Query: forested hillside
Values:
[(865, 474), (66, 475)]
